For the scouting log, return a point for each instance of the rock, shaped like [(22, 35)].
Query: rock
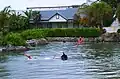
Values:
[(42, 41), (31, 42), (35, 42), (15, 49), (110, 37), (61, 39)]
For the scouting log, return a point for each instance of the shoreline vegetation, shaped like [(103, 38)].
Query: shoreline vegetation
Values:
[(28, 39), (44, 41), (19, 39)]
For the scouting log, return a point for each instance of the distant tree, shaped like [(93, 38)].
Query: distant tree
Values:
[(4, 20), (76, 19), (28, 13), (98, 13), (112, 3), (28, 16), (17, 22), (84, 21), (34, 16)]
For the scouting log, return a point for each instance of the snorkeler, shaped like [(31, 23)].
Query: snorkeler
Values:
[(64, 57)]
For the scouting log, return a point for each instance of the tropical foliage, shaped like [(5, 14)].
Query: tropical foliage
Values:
[(17, 22), (10, 20), (84, 21), (112, 3), (76, 19), (4, 19), (14, 39), (98, 14)]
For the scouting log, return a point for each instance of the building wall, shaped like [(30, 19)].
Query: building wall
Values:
[(70, 25), (57, 25), (54, 25)]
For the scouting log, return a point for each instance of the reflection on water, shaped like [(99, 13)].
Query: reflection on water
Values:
[(88, 60)]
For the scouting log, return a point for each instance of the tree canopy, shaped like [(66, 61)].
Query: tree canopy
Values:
[(112, 3), (98, 14)]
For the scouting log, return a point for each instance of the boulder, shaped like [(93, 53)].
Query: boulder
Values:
[(35, 42), (42, 41), (110, 37), (62, 39)]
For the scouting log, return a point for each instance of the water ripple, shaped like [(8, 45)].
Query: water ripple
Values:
[(88, 60)]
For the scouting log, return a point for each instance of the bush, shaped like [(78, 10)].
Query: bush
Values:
[(55, 32), (14, 39), (34, 34)]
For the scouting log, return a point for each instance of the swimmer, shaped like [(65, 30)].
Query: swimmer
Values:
[(64, 57), (80, 40), (30, 57)]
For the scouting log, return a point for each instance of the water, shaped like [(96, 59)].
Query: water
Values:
[(88, 60)]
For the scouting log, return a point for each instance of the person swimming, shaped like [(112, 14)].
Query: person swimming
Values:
[(80, 40), (29, 56), (64, 57)]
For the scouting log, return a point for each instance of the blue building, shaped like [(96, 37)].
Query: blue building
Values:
[(58, 17)]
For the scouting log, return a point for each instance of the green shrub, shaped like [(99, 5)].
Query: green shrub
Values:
[(34, 33), (14, 39), (19, 38)]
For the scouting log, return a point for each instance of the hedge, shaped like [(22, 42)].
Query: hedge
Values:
[(34, 33), (61, 32)]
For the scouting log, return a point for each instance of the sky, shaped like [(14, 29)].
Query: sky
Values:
[(23, 4)]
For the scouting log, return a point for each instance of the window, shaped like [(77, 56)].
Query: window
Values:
[(57, 16)]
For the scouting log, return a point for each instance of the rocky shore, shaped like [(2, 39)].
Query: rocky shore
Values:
[(107, 37)]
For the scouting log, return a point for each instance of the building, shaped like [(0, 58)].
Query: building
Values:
[(57, 17)]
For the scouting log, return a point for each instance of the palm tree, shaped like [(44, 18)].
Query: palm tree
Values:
[(34, 16), (28, 17), (76, 19), (98, 13), (16, 22), (4, 19), (28, 13), (4, 22)]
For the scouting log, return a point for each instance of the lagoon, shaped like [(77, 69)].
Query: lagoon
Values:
[(88, 60)]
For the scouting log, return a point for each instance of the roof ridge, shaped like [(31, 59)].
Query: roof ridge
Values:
[(59, 14)]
